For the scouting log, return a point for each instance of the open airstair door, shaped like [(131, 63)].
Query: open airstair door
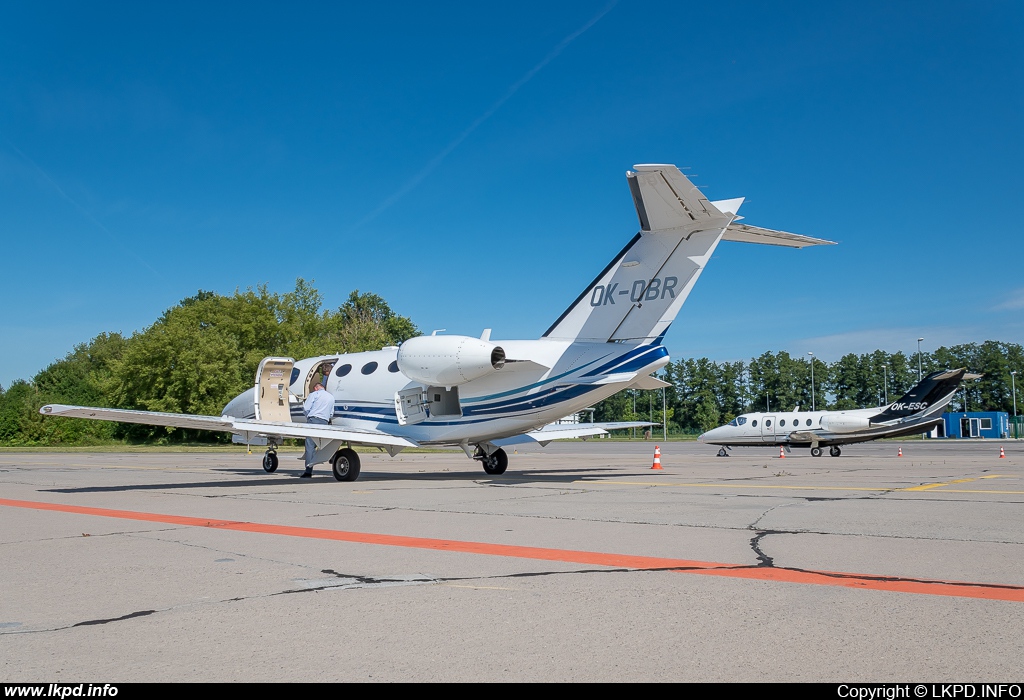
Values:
[(272, 378)]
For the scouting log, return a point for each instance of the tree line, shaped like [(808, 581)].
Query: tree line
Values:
[(705, 394), (204, 351), (196, 357)]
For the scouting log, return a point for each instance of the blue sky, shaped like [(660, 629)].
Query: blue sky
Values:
[(466, 163)]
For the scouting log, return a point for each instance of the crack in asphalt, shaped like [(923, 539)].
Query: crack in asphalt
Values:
[(129, 616), (755, 544)]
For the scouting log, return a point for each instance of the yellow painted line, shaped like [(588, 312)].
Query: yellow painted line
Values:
[(978, 491), (737, 486), (793, 487), (925, 487)]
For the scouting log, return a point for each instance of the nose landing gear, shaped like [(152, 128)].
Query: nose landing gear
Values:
[(270, 460)]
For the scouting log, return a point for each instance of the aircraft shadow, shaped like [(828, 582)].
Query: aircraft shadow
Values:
[(260, 480)]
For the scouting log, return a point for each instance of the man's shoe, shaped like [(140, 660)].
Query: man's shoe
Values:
[(306, 475)]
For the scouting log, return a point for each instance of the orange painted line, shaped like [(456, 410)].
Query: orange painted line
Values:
[(624, 561)]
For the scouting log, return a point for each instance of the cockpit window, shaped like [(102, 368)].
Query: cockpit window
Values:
[(738, 420)]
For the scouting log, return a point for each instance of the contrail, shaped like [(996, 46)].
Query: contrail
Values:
[(82, 210), (436, 160)]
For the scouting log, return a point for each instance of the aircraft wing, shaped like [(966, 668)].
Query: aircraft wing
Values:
[(240, 426), (565, 431), (743, 233)]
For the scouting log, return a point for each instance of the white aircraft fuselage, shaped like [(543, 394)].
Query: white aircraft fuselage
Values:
[(561, 378)]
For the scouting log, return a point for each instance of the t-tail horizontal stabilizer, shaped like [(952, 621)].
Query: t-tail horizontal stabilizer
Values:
[(929, 396), (637, 297)]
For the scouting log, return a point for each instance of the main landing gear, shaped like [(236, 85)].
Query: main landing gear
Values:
[(345, 464), (815, 452), (834, 451), (495, 463)]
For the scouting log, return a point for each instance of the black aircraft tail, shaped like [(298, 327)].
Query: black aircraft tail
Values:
[(930, 395)]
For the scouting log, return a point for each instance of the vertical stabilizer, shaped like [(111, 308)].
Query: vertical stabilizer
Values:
[(639, 294)]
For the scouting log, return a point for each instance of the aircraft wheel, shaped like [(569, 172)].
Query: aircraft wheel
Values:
[(495, 463), (270, 462), (815, 452), (835, 451), (345, 464), (723, 453)]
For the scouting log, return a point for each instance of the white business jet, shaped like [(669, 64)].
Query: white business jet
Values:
[(917, 412), (483, 395)]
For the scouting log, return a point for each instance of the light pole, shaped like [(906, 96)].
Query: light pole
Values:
[(1013, 382), (885, 382), (664, 417), (812, 379), (919, 358), (634, 412)]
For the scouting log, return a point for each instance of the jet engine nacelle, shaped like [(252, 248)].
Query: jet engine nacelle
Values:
[(845, 423), (448, 360)]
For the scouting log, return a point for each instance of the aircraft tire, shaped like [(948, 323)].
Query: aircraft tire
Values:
[(270, 463), (815, 452), (496, 463), (723, 453), (345, 464), (834, 451)]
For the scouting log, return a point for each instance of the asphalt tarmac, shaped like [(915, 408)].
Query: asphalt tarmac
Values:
[(580, 563)]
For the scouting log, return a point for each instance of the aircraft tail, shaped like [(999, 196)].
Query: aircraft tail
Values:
[(638, 295), (929, 396)]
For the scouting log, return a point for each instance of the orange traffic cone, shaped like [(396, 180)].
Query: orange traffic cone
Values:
[(657, 458), (1002, 455), (899, 452), (782, 455)]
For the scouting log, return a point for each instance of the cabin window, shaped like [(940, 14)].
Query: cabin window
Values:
[(369, 368), (393, 367), (808, 422), (782, 422), (753, 423), (767, 424), (343, 370)]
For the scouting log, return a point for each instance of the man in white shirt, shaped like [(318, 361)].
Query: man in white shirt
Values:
[(319, 408)]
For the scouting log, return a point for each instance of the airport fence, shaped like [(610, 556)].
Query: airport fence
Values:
[(1017, 427)]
